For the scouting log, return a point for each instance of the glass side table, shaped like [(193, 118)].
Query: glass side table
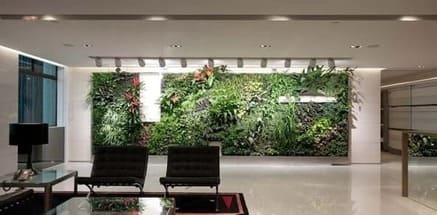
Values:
[(116, 205), (45, 179)]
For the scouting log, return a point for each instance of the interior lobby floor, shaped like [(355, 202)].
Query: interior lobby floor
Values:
[(279, 186)]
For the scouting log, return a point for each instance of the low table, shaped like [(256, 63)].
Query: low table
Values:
[(45, 179), (116, 205)]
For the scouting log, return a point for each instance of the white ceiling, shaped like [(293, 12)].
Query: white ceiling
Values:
[(402, 45)]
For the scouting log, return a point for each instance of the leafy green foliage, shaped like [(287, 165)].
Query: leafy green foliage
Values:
[(422, 146), (243, 112), (116, 117)]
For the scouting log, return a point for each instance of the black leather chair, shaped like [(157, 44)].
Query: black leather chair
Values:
[(117, 166), (192, 166), (17, 202)]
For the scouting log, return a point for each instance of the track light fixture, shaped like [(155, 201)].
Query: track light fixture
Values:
[(141, 62), (312, 63), (240, 62), (264, 63), (98, 61), (210, 62), (161, 62), (331, 63), (183, 62), (117, 61), (287, 63)]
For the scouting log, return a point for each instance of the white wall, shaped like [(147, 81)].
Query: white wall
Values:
[(8, 108), (78, 132), (366, 103)]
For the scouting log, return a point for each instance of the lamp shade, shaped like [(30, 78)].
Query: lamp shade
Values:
[(23, 134)]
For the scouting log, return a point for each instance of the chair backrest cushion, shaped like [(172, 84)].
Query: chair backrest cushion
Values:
[(120, 161), (202, 161)]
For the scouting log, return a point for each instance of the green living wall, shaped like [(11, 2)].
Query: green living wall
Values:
[(115, 103), (242, 112)]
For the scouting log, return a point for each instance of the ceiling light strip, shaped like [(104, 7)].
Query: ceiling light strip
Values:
[(273, 17)]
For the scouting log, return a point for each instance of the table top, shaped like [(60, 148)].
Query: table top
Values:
[(115, 205), (44, 178)]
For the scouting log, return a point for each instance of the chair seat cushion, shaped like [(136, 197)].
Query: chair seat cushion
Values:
[(97, 181), (190, 181)]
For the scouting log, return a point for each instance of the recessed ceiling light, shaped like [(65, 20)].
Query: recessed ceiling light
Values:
[(68, 45), (176, 46), (87, 45), (265, 46), (373, 46), (409, 18), (30, 18), (156, 18), (355, 46), (279, 18), (49, 18)]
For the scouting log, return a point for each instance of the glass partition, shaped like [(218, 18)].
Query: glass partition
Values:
[(422, 168)]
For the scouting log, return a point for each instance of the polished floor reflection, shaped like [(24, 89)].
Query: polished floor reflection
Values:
[(422, 173), (283, 186)]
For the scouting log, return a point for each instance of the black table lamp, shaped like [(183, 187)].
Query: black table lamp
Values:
[(25, 135)]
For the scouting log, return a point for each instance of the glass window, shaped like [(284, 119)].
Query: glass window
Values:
[(37, 101)]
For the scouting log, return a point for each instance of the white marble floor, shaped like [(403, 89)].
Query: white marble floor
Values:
[(282, 186)]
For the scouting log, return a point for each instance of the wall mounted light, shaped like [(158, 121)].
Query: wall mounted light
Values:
[(210, 62), (264, 63), (184, 62), (98, 61), (312, 63), (331, 63), (161, 62), (287, 63), (117, 61), (141, 62), (240, 62)]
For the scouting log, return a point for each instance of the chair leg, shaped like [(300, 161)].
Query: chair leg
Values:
[(216, 199), (166, 191), (91, 188)]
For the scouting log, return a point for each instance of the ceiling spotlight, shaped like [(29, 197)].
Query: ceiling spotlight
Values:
[(331, 63), (98, 61), (312, 63), (184, 62), (49, 18), (117, 61), (87, 45), (240, 63), (409, 19), (210, 62), (265, 46), (30, 18), (264, 63), (355, 46), (279, 18), (287, 63), (161, 62), (176, 46), (141, 62), (156, 18)]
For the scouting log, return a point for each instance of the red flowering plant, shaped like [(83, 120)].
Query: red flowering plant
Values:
[(206, 76), (132, 103)]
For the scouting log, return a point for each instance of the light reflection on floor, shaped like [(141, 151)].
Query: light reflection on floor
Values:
[(288, 186)]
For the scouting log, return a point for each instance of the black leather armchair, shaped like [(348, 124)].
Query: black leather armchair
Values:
[(192, 166), (117, 166), (17, 202)]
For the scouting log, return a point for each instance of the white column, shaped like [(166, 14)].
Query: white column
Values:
[(78, 129), (366, 116), (8, 107)]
